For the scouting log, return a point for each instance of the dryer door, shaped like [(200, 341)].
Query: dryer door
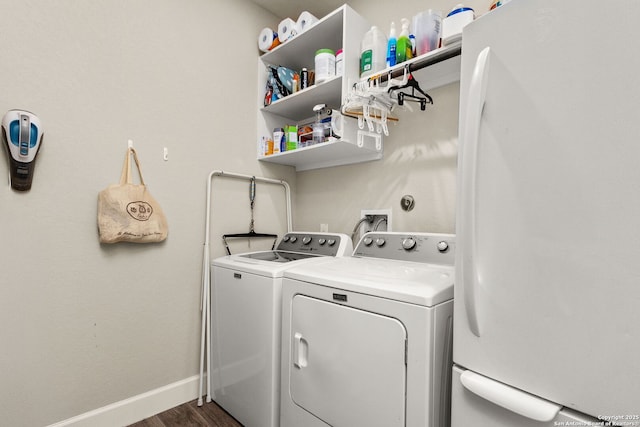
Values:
[(348, 365)]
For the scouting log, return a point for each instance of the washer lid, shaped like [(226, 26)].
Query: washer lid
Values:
[(277, 256), (260, 262), (412, 282)]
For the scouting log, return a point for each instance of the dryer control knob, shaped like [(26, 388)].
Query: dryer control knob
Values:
[(286, 238), (331, 242), (380, 242), (443, 246), (306, 240), (408, 243), (293, 239), (322, 241), (367, 241)]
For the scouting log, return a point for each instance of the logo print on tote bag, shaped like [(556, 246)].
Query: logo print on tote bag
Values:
[(140, 210)]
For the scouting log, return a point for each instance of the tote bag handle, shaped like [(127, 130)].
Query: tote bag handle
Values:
[(125, 176)]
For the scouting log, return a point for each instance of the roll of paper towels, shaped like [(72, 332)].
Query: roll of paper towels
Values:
[(286, 29), (267, 40), (305, 21)]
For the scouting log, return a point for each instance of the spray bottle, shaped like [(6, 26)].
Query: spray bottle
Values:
[(403, 49), (391, 46)]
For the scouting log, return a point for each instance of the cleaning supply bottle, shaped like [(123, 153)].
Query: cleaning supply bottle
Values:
[(391, 46), (373, 52), (403, 49), (412, 38)]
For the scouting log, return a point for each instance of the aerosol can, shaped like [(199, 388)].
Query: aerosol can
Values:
[(22, 135)]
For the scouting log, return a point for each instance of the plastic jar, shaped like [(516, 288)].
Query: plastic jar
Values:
[(427, 26), (325, 65), (339, 63)]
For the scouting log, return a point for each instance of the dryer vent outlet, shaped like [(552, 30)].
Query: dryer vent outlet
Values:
[(377, 220)]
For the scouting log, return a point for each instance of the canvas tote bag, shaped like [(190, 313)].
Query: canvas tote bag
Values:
[(127, 212)]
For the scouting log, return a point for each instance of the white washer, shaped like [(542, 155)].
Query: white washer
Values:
[(366, 340), (246, 323)]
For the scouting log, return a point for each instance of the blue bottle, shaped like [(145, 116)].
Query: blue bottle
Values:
[(391, 46)]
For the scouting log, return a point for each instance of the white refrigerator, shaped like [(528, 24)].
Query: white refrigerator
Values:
[(547, 292)]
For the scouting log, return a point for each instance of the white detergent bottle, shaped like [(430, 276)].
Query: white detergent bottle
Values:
[(373, 56)]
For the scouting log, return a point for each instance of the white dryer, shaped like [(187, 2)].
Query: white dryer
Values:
[(246, 303), (366, 340)]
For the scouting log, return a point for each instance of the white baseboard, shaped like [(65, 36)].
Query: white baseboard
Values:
[(138, 407)]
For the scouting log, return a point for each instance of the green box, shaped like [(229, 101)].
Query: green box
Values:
[(291, 133)]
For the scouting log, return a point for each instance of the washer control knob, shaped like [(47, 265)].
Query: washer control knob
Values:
[(286, 238), (409, 243), (443, 246), (293, 239), (306, 240), (367, 241), (380, 242), (322, 241), (331, 242)]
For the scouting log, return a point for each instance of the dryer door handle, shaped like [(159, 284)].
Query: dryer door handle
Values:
[(300, 351)]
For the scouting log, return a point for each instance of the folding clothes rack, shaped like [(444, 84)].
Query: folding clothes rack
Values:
[(205, 340)]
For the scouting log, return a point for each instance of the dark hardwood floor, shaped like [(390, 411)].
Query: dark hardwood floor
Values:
[(189, 414)]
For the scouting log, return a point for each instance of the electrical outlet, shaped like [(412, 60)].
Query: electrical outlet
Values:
[(377, 220), (324, 228)]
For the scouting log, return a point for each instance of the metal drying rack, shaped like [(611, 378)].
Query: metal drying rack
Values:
[(252, 232), (205, 342)]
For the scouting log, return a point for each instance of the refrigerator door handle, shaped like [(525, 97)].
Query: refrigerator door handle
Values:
[(475, 105), (512, 399)]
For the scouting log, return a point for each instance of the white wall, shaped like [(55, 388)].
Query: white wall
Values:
[(83, 325), (420, 155)]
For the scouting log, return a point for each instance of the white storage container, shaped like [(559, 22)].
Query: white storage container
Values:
[(325, 65), (455, 21)]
